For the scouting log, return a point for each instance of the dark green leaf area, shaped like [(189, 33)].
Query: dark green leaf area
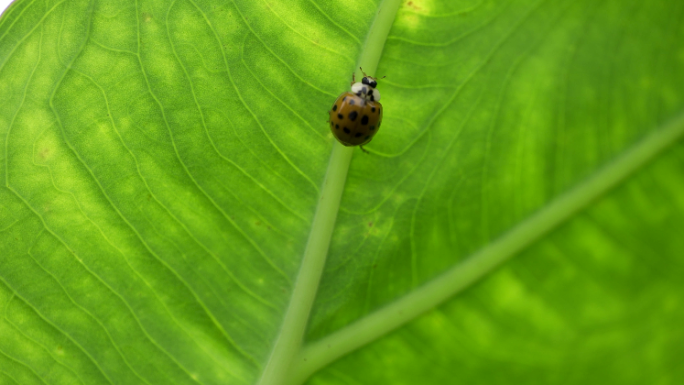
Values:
[(598, 301), (498, 109)]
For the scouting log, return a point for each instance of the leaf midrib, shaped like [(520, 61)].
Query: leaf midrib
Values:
[(288, 343)]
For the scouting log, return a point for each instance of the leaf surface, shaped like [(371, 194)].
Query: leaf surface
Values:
[(161, 162)]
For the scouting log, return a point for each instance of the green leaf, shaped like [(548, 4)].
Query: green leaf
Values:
[(168, 193)]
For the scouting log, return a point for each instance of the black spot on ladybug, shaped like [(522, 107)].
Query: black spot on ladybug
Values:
[(372, 109), (345, 98), (364, 120), (358, 134), (371, 128), (351, 102), (346, 130), (367, 136), (353, 115), (337, 126), (364, 90), (340, 116), (335, 107)]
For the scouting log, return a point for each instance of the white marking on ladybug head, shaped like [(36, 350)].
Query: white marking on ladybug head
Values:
[(374, 95), (365, 91), (360, 89)]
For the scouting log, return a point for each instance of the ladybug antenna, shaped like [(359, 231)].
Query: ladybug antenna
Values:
[(370, 77)]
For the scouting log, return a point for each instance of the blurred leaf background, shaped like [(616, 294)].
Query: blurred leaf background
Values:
[(161, 162)]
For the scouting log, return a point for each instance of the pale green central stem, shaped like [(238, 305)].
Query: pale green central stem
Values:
[(289, 341), (278, 369)]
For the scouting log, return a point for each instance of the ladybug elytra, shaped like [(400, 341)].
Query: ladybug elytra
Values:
[(356, 115)]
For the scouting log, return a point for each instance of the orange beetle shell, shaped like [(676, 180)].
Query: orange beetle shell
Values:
[(353, 120)]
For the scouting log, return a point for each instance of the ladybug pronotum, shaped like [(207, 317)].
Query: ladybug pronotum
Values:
[(356, 115)]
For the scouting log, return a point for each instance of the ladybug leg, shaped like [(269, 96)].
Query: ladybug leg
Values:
[(353, 79), (364, 150)]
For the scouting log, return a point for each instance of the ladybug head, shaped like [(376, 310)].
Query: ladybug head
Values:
[(369, 81)]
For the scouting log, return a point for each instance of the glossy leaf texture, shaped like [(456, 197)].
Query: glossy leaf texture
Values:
[(161, 163)]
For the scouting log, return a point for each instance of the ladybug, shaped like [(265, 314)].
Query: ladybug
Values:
[(356, 115)]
